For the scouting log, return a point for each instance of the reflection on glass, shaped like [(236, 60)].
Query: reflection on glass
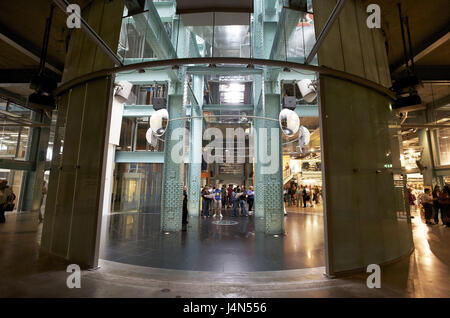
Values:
[(14, 178), (133, 136), (137, 187), (443, 137)]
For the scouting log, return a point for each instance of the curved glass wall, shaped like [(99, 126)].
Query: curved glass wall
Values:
[(158, 33)]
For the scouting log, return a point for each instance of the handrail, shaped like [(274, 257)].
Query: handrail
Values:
[(227, 60)]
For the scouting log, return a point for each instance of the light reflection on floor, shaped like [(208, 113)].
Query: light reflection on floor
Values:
[(136, 239)]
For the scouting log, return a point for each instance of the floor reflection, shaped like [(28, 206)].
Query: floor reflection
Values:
[(225, 247)]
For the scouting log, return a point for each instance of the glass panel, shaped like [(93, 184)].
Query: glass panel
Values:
[(133, 46), (126, 135), (9, 137), (137, 188), (22, 150), (14, 178), (19, 111), (146, 94), (3, 104), (142, 144), (443, 139)]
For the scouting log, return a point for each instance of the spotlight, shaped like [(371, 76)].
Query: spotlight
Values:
[(123, 91), (304, 137), (244, 118), (159, 121), (308, 89)]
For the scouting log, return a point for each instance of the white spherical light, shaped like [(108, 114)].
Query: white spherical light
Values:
[(304, 136), (159, 121), (148, 135), (289, 122)]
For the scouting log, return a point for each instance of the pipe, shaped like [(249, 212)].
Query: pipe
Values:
[(48, 25), (405, 115), (323, 34), (63, 4), (405, 53), (410, 44)]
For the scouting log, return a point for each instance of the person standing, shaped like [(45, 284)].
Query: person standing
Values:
[(289, 195), (250, 198), (444, 201), (242, 203), (224, 196), (5, 198), (437, 207), (299, 196), (230, 196), (412, 199), (235, 202), (217, 202), (304, 196), (316, 195), (185, 210), (43, 200), (427, 203), (205, 208)]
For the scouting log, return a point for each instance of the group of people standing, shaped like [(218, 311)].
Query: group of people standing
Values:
[(217, 198), (298, 195), (434, 203)]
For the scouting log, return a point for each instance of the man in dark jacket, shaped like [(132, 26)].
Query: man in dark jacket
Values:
[(206, 200), (185, 210)]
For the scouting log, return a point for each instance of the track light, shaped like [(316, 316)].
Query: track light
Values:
[(308, 89)]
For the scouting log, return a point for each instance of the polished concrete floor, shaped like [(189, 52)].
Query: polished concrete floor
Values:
[(24, 274), (230, 244)]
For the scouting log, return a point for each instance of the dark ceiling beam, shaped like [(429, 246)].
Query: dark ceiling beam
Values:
[(14, 76), (425, 48), (134, 6), (433, 72), (27, 49)]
